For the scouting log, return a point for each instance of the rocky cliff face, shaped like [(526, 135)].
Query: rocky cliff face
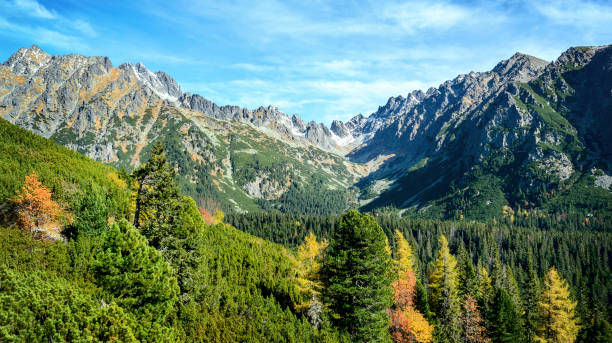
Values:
[(531, 127), (227, 154), (525, 130)]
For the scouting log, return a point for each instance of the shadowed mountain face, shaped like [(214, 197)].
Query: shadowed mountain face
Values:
[(527, 131)]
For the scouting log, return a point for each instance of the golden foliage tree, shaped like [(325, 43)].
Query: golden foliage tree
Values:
[(407, 324), (404, 259), (35, 208), (558, 322), (308, 255)]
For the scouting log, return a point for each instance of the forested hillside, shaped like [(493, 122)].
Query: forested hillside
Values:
[(91, 255), (577, 252), (166, 279)]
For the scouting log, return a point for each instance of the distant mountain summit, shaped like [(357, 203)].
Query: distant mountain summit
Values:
[(229, 157), (526, 132)]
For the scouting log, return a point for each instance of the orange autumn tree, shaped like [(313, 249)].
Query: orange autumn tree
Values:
[(407, 324), (472, 322), (35, 208)]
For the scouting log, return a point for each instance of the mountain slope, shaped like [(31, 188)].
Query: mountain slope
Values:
[(68, 173), (54, 285), (527, 134), (227, 156)]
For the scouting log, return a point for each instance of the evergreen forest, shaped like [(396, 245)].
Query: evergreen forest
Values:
[(92, 254)]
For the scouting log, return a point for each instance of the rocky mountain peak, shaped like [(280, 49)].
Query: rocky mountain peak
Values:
[(576, 57), (160, 83), (399, 104), (27, 61), (520, 67), (169, 84)]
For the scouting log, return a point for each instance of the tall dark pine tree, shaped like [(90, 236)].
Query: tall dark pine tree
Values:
[(172, 223), (466, 273), (531, 289), (505, 320), (357, 273), (158, 198)]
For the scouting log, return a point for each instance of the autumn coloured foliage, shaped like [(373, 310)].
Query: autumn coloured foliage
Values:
[(407, 324), (558, 321), (35, 208)]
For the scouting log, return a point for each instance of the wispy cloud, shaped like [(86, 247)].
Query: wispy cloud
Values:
[(333, 99), (31, 19), (573, 12), (33, 8)]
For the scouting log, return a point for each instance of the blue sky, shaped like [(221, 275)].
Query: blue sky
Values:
[(321, 59)]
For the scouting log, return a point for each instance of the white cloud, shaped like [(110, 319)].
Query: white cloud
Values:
[(572, 12), (415, 16), (84, 27), (41, 35), (34, 8), (329, 99)]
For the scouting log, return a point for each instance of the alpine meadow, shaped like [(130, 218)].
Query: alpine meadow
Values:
[(474, 208)]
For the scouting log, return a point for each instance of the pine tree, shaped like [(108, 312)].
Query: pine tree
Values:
[(172, 223), (531, 296), (505, 319), (357, 274), (135, 273), (157, 197), (466, 273), (472, 323), (444, 293), (557, 318)]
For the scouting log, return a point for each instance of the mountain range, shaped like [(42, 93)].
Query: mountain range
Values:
[(528, 137)]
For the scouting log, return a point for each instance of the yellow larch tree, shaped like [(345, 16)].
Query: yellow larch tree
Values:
[(558, 322)]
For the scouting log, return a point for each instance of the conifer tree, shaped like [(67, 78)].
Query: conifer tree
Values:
[(357, 274), (472, 323), (421, 302), (504, 319), (135, 273), (444, 293), (466, 273), (558, 322), (171, 223), (35, 208), (404, 260), (157, 197), (531, 297)]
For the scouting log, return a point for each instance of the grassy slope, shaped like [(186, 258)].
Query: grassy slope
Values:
[(66, 172), (244, 272)]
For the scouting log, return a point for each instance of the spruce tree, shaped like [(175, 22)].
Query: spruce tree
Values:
[(466, 273), (157, 198), (505, 324), (531, 296), (357, 274)]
